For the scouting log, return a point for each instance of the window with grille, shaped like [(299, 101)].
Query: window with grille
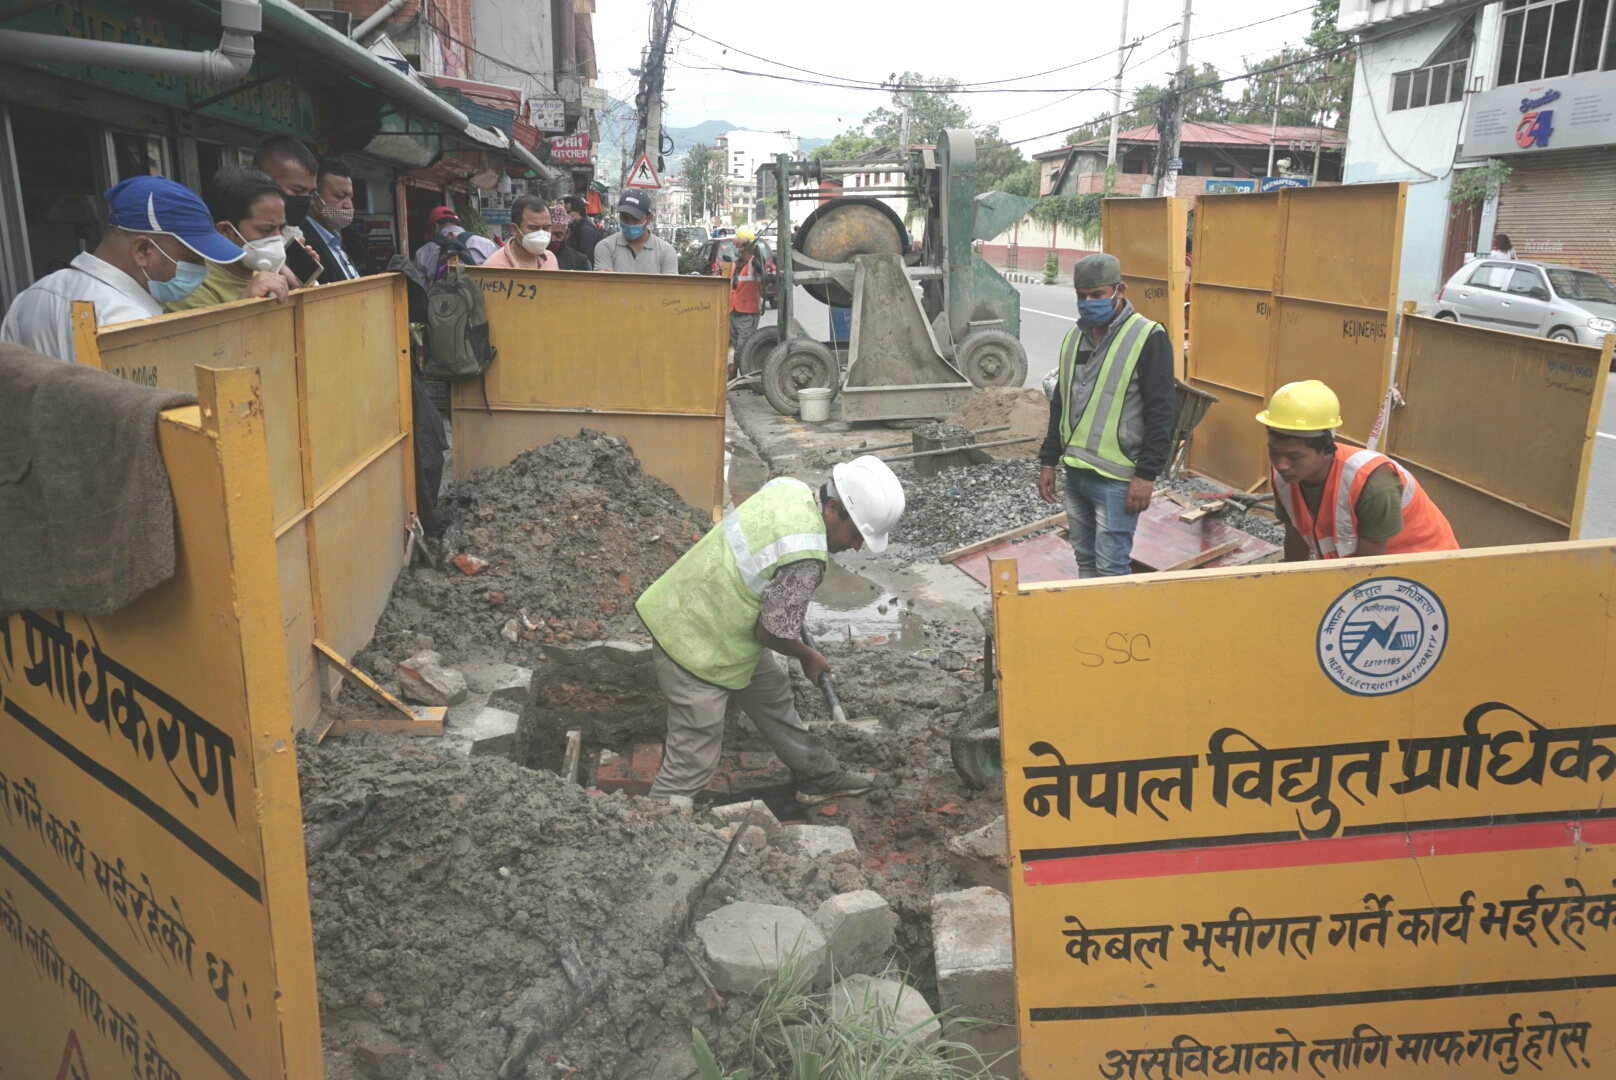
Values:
[(1440, 79), (1546, 39)]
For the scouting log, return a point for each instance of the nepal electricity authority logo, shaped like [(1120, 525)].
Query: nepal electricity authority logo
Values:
[(1382, 636)]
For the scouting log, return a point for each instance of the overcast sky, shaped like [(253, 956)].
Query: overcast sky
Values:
[(972, 42)]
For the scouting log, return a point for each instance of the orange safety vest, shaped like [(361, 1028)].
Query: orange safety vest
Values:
[(1334, 535), (746, 288)]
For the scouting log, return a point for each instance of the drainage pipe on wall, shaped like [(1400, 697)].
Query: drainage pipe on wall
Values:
[(240, 20)]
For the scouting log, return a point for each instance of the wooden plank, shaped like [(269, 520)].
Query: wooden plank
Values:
[(569, 763), (425, 729), (983, 545), (1182, 500), (365, 682), (1190, 517), (1204, 557)]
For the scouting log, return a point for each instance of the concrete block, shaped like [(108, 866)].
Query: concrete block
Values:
[(746, 942), (492, 731), (859, 928), (754, 840), (813, 841), (511, 690), (762, 816), (970, 933), (423, 679), (673, 1063), (981, 857), (901, 1006)]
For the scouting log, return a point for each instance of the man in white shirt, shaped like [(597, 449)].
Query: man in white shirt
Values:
[(159, 234), (442, 219)]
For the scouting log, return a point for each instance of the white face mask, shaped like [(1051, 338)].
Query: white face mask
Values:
[(536, 242), (266, 254)]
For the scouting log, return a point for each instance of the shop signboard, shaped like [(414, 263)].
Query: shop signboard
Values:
[(1223, 186), (549, 114), (571, 149), (1274, 183), (1551, 114)]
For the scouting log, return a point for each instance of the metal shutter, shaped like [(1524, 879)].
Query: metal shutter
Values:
[(1562, 209)]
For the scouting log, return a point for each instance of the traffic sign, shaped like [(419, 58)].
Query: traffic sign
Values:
[(643, 176)]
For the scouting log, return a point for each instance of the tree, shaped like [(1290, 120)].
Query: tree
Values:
[(996, 162), (931, 107), (1023, 183), (844, 147), (703, 174)]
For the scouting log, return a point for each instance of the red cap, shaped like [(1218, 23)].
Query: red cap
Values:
[(439, 213)]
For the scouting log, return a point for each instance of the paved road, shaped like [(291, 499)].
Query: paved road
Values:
[(1599, 510), (1047, 313)]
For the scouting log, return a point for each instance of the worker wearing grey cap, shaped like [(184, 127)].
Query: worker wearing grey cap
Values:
[(1110, 418), (635, 248)]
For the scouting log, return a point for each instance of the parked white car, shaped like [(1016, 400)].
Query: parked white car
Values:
[(1560, 302)]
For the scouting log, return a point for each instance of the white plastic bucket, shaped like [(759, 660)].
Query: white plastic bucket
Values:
[(814, 404)]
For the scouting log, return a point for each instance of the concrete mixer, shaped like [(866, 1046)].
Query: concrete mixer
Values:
[(930, 321)]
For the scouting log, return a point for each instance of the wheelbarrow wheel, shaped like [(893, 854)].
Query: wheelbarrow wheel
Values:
[(975, 745), (796, 365), (757, 349), (992, 358)]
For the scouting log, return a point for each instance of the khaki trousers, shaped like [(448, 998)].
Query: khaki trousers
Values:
[(696, 726)]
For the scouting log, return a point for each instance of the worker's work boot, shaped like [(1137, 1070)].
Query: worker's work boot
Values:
[(847, 783)]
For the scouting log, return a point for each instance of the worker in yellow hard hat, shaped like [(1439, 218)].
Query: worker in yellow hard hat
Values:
[(745, 294), (1339, 505)]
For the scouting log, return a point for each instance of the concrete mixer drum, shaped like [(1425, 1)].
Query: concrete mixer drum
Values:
[(837, 230)]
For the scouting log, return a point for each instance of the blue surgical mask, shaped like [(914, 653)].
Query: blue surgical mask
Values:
[(1095, 312), (187, 279), (633, 232)]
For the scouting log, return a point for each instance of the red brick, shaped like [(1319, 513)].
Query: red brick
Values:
[(633, 775)]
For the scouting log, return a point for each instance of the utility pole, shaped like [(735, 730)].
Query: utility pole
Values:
[(903, 130), (1116, 92), (1273, 130), (1324, 106), (1185, 81), (648, 136)]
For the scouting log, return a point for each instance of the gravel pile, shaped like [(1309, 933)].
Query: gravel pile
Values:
[(959, 506), (571, 533)]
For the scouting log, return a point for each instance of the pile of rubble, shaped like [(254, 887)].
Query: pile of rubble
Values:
[(960, 506), (555, 546)]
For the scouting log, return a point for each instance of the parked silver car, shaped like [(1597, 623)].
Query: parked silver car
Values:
[(1559, 302)]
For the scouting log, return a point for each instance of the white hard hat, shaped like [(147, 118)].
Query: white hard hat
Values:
[(872, 496)]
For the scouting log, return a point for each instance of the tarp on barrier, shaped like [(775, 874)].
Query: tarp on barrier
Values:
[(154, 912), (334, 366), (1322, 819), (641, 356)]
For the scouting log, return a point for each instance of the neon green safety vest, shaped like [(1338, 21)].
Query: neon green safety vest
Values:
[(1096, 398), (704, 609)]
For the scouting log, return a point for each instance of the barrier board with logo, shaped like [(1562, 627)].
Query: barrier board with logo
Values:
[(1323, 820), (154, 917)]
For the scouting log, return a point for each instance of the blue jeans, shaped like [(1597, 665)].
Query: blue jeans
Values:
[(1101, 527)]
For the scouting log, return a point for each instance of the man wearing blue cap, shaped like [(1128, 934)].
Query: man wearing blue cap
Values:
[(158, 235)]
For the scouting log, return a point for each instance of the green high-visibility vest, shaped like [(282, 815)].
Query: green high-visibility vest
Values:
[(1096, 397), (704, 609)]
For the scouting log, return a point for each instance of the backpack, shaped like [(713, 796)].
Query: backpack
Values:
[(456, 328)]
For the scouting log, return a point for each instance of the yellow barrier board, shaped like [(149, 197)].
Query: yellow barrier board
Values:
[(1498, 427), (1147, 236), (1317, 820), (641, 356), (154, 913), (1281, 290), (334, 366)]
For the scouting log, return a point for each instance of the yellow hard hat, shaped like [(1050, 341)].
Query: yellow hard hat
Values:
[(745, 234), (1308, 405)]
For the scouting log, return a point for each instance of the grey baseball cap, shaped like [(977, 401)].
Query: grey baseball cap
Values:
[(1096, 271)]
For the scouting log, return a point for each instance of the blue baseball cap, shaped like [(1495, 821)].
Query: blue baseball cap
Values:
[(156, 204)]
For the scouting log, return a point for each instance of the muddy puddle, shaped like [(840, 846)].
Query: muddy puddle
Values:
[(744, 472)]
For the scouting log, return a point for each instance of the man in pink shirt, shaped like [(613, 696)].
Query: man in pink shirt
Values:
[(529, 249)]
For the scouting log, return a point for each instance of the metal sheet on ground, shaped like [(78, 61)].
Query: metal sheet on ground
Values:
[(154, 915), (1161, 540), (1315, 819), (1501, 425), (640, 356)]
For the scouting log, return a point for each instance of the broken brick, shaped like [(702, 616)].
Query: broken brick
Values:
[(633, 775), (496, 598), (626, 585), (470, 564)]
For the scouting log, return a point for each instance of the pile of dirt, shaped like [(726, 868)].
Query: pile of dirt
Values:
[(571, 533), (1025, 410), (960, 506)]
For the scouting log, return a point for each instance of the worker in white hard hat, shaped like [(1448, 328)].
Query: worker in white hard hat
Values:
[(739, 595), (1340, 503)]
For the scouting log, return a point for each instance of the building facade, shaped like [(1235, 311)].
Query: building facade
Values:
[(743, 152), (1447, 85)]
